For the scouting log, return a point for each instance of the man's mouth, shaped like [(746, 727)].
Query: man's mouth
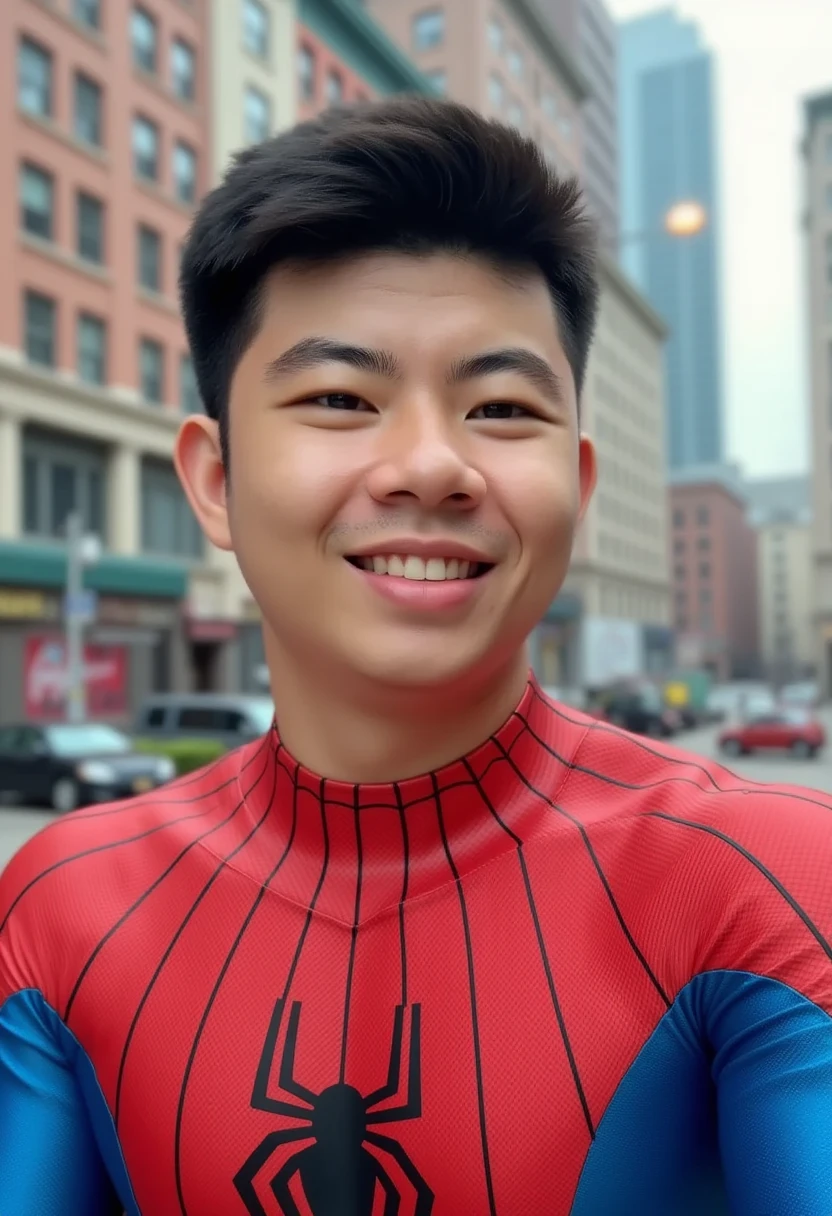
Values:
[(420, 569)]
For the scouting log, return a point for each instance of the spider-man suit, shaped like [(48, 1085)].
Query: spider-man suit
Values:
[(572, 973)]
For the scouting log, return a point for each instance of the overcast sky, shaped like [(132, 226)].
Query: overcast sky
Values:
[(769, 54)]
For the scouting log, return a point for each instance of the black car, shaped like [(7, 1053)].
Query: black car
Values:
[(67, 766), (642, 711)]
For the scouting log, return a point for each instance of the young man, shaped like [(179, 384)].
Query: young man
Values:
[(435, 944)]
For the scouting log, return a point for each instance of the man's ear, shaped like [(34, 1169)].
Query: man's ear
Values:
[(587, 473), (198, 458)]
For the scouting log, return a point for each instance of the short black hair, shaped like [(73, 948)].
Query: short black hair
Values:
[(410, 175)]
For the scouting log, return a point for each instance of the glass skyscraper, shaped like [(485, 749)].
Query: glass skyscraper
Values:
[(668, 155)]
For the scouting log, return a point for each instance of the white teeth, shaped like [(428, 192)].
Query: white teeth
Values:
[(414, 568), (418, 569)]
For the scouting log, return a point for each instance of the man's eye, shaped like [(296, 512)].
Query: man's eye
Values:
[(341, 401), (499, 410)]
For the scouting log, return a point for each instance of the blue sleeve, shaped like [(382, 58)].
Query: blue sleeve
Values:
[(772, 1068), (58, 1148)]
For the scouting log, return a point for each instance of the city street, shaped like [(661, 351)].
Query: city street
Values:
[(17, 824)]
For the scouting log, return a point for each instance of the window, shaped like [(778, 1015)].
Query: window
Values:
[(679, 573), (144, 38), (183, 69), (678, 518), (516, 62), (703, 516), (40, 324), (88, 110), (550, 106), (90, 215), (496, 92), (92, 349), (190, 401), (34, 78), (439, 80), (87, 12), (679, 548), (257, 116), (150, 258), (704, 569), (334, 88), (37, 202), (168, 524), (184, 172), (495, 36), (704, 544), (61, 474), (517, 115), (428, 29), (145, 148), (306, 74), (152, 370), (705, 598), (255, 28)]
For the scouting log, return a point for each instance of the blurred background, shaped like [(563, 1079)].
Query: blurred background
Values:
[(700, 594)]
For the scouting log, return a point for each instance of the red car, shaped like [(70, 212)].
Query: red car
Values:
[(791, 730)]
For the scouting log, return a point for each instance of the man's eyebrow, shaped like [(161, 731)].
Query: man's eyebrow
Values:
[(313, 352), (511, 359)]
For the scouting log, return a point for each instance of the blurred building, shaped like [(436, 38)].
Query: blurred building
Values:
[(598, 56), (779, 509), (817, 154), (505, 58), (613, 617), (715, 581), (668, 154), (114, 121)]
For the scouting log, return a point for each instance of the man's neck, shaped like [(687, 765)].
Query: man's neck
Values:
[(375, 734)]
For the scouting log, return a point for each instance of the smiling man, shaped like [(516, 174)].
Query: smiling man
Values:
[(434, 944)]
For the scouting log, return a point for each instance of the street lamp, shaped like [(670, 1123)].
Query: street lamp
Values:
[(684, 219)]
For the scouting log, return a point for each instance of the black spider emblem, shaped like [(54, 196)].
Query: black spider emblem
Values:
[(338, 1171)]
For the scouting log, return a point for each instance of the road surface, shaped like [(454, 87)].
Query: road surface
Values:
[(17, 824)]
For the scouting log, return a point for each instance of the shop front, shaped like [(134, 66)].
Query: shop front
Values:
[(555, 642), (134, 641)]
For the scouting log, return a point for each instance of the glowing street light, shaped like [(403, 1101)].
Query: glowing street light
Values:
[(685, 218)]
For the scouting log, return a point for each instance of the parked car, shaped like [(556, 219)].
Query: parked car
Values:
[(641, 709), (229, 720), (791, 730), (67, 765)]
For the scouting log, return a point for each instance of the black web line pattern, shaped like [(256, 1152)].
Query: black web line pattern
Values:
[(115, 844), (752, 790), (544, 957), (560, 810), (758, 865), (469, 955), (180, 930), (342, 1073), (157, 882), (405, 885), (227, 963)]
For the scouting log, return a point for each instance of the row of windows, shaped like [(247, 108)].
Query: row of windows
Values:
[(40, 343), (680, 517), (35, 96), (630, 603), (333, 85), (680, 571), (630, 555), (703, 544), (63, 475)]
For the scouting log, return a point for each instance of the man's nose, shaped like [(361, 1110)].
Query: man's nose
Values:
[(423, 459)]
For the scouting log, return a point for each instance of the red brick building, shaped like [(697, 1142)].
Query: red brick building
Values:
[(714, 574)]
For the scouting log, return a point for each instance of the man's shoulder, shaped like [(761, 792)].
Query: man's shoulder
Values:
[(72, 879)]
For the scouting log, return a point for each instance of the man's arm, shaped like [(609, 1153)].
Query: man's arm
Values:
[(772, 1068), (51, 1161)]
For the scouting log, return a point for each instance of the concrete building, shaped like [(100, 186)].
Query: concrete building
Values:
[(668, 155), (503, 57), (613, 617), (715, 581), (598, 56), (817, 168), (780, 512)]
